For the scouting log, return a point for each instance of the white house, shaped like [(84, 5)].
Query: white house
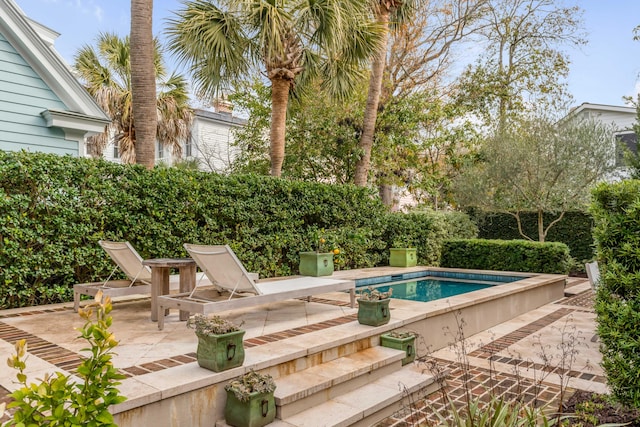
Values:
[(42, 105), (211, 143), (212, 139), (621, 117)]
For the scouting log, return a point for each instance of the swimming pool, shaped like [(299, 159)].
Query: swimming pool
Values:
[(433, 285)]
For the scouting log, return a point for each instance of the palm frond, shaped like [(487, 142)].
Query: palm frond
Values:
[(212, 43)]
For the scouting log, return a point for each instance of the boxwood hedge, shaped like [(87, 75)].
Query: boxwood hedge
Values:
[(506, 255)]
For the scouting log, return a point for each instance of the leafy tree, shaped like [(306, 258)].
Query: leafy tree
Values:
[(143, 82), (106, 72), (521, 63), (322, 134), (292, 42), (538, 166), (421, 35)]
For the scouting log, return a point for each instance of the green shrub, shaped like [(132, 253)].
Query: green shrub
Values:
[(574, 229), (425, 231), (56, 400), (616, 211), (506, 255), (53, 211)]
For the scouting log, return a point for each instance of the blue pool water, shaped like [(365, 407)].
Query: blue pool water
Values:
[(433, 285), (430, 290)]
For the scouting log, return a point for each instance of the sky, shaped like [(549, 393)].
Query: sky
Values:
[(602, 72)]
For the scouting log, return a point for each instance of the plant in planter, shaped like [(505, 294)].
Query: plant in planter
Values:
[(373, 307), (320, 261), (220, 344), (250, 400), (402, 254), (401, 340)]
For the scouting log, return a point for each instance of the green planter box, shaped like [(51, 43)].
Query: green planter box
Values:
[(403, 257), (406, 344), (374, 313), (220, 352), (316, 264), (258, 411)]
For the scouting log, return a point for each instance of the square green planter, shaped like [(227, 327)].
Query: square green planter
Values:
[(316, 264), (258, 411), (406, 344), (403, 257), (373, 313), (220, 352)]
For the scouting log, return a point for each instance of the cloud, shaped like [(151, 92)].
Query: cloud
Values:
[(98, 12)]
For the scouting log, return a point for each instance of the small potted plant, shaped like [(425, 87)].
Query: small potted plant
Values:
[(401, 340), (320, 261), (403, 254), (220, 344), (250, 400), (373, 307)]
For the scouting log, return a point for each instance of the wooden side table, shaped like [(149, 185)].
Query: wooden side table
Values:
[(160, 280)]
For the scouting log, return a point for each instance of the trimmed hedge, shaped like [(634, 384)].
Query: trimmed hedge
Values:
[(425, 231), (574, 230), (53, 211), (616, 211), (506, 255)]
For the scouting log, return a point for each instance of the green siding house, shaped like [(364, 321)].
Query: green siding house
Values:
[(42, 105)]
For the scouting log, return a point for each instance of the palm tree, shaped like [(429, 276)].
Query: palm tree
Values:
[(292, 42), (106, 72), (143, 81), (388, 13)]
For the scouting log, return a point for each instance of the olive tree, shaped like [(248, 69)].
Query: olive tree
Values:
[(538, 166)]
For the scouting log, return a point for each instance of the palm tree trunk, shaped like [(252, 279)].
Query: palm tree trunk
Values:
[(143, 82), (373, 98), (279, 98)]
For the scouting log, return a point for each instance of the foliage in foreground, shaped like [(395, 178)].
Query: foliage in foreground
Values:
[(616, 212), (56, 400)]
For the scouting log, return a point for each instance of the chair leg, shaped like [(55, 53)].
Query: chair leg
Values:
[(352, 297), (160, 317), (76, 300)]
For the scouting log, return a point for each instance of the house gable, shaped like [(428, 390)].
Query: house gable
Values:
[(42, 106), (23, 96)]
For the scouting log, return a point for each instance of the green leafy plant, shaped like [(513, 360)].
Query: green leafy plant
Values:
[(211, 325), (373, 294), (56, 400), (249, 383)]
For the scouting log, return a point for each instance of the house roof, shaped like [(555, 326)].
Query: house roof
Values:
[(34, 42), (220, 117), (602, 107)]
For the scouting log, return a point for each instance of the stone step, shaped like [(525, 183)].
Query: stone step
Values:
[(318, 384), (368, 404)]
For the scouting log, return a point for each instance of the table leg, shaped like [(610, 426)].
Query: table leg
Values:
[(159, 286), (187, 283)]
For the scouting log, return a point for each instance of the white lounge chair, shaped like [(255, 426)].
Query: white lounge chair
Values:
[(593, 273), (236, 288), (130, 262)]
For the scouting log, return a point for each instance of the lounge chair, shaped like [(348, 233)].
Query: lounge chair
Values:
[(130, 262), (593, 273), (235, 288)]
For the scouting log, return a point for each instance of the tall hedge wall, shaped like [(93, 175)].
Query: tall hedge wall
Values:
[(616, 211), (53, 211), (506, 255), (574, 230)]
